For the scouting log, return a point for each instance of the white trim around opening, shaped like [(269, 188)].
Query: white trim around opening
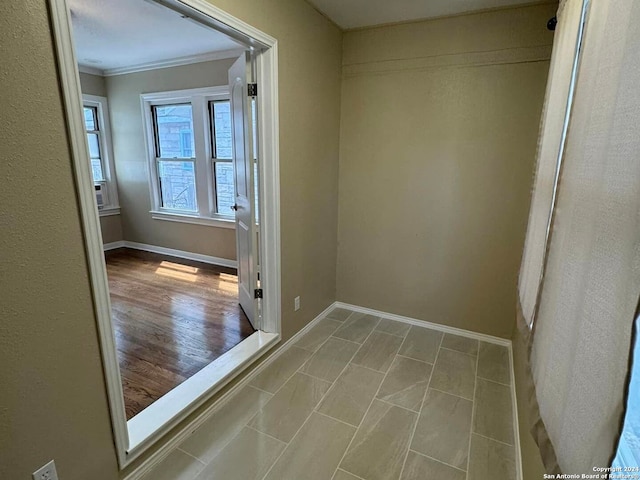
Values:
[(130, 445)]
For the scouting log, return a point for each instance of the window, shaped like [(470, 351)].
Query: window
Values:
[(93, 139), (628, 452), (176, 162), (96, 122), (222, 147), (191, 153)]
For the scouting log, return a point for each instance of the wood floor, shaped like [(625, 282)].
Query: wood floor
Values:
[(172, 317)]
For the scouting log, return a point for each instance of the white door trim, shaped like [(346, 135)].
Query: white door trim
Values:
[(70, 82), (269, 189)]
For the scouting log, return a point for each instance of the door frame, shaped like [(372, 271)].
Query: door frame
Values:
[(266, 49)]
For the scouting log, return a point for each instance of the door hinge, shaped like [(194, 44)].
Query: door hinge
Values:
[(252, 89), (257, 293)]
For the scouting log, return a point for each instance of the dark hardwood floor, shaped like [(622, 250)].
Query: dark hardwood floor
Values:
[(172, 317)]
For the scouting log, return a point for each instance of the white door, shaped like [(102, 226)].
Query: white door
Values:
[(243, 177)]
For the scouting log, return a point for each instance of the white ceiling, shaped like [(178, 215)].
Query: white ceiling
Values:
[(112, 34), (361, 13)]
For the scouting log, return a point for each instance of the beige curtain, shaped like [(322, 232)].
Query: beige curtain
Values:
[(549, 144), (580, 352)]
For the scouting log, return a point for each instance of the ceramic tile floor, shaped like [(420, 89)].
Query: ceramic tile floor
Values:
[(359, 397)]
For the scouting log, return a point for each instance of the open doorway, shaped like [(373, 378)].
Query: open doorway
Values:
[(176, 165), (160, 112)]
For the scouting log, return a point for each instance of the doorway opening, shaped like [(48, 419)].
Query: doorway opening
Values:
[(176, 164)]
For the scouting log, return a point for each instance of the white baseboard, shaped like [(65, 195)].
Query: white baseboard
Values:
[(516, 423), (113, 245), (424, 323), (172, 252), (162, 452)]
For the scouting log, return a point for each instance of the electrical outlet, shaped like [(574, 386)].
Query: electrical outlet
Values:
[(296, 303), (48, 472)]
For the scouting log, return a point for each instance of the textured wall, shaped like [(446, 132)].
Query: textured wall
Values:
[(93, 84), (130, 153), (309, 86), (52, 397), (111, 225), (111, 229), (438, 139)]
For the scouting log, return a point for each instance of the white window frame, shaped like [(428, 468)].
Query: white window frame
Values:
[(199, 99), (112, 206)]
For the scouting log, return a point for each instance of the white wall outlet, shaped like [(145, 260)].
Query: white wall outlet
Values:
[(296, 304), (48, 472)]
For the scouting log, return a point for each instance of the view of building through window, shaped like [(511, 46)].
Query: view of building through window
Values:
[(223, 156), (628, 454), (175, 151), (93, 139), (174, 140)]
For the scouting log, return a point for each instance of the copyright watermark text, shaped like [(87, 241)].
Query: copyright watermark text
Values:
[(627, 473)]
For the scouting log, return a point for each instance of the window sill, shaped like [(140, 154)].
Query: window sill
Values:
[(108, 211), (196, 220)]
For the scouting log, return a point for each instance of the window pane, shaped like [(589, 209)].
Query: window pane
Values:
[(96, 170), (628, 454), (174, 131), (225, 192), (90, 122), (178, 185), (94, 145), (222, 130)]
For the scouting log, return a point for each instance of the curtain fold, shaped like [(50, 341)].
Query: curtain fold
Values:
[(580, 344), (552, 129)]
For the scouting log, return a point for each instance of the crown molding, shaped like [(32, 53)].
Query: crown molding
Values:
[(90, 70), (174, 62)]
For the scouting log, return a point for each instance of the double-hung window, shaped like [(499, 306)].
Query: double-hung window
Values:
[(96, 122), (190, 148), (175, 156), (222, 158)]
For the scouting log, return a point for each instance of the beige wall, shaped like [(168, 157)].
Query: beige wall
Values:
[(110, 226), (93, 84), (53, 400), (111, 229), (130, 153), (309, 88), (52, 397), (436, 161)]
